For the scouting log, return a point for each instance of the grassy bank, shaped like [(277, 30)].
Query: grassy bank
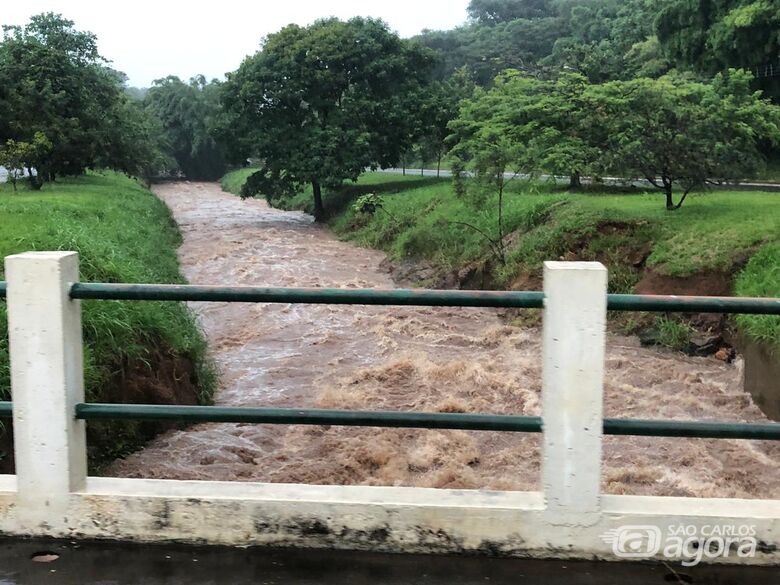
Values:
[(134, 352), (714, 237)]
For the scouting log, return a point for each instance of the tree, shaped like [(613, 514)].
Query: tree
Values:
[(710, 36), (491, 137), (319, 104), (680, 134), (528, 126), (558, 137), (135, 142), (18, 156), (439, 106), (495, 11), (601, 39), (188, 114), (54, 82)]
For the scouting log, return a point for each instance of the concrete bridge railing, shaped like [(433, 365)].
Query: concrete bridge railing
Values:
[(52, 495)]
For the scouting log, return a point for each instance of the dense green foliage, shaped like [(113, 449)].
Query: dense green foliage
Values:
[(670, 131), (17, 156), (53, 82), (188, 113), (713, 35), (123, 233), (602, 39), (619, 40), (614, 39), (319, 104)]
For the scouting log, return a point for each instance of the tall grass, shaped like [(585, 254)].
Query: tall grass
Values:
[(122, 233)]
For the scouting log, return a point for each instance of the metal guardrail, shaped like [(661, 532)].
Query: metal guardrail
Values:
[(411, 420), (408, 297)]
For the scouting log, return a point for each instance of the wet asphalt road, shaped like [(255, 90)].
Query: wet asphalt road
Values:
[(127, 564)]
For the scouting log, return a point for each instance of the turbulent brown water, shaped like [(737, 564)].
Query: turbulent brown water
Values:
[(432, 359)]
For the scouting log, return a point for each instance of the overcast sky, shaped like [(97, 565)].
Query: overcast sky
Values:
[(150, 39)]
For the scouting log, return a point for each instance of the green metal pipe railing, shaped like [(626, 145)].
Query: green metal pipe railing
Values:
[(395, 297), (414, 420), (330, 296), (406, 297), (453, 421), (399, 297), (350, 418), (682, 304)]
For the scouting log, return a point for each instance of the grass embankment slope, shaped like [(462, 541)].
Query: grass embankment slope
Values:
[(134, 351), (717, 243)]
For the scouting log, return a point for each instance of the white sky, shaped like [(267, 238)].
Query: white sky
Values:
[(151, 39)]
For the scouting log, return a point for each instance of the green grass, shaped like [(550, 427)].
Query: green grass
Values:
[(772, 171), (234, 180), (122, 233), (424, 219), (761, 278), (673, 333)]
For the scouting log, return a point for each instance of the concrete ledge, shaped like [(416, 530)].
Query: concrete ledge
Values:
[(381, 519)]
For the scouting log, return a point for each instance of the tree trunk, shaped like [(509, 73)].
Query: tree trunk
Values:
[(438, 166), (575, 181), (319, 209), (35, 180), (502, 256), (670, 206)]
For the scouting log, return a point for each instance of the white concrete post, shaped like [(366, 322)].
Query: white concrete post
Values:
[(47, 380), (575, 310)]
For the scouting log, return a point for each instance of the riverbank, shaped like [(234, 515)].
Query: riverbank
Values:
[(427, 359), (719, 243), (134, 352)]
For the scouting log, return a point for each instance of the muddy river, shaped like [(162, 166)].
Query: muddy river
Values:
[(432, 359)]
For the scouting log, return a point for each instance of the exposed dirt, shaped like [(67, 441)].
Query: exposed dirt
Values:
[(440, 359), (160, 377), (713, 283)]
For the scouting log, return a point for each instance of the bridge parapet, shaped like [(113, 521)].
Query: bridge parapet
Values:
[(51, 495)]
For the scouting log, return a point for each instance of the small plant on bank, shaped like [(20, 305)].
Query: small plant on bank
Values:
[(369, 204), (673, 334)]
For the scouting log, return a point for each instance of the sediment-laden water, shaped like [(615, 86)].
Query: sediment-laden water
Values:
[(432, 359)]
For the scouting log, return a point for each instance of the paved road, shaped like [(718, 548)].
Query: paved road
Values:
[(124, 564), (748, 186), (4, 174)]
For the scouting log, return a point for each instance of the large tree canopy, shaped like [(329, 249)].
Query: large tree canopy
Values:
[(54, 83), (602, 39), (319, 104), (714, 35), (495, 11), (187, 114), (679, 134), (674, 132)]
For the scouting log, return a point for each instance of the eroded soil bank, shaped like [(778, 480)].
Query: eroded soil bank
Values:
[(438, 359)]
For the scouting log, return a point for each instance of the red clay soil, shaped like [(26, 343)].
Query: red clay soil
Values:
[(161, 377), (713, 283)]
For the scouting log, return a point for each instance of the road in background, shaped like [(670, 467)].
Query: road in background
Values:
[(611, 181)]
